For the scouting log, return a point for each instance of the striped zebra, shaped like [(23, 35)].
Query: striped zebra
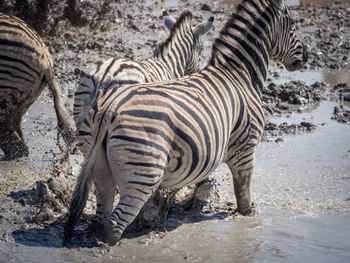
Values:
[(26, 67), (176, 57), (175, 133)]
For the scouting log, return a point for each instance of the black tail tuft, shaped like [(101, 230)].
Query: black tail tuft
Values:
[(76, 208), (68, 232)]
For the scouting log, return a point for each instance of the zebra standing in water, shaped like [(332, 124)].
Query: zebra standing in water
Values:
[(176, 57), (174, 133), (26, 67)]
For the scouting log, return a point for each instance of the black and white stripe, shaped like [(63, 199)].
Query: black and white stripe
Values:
[(176, 57), (174, 133), (26, 67)]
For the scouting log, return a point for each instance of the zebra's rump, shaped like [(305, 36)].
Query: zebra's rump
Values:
[(23, 56), (160, 127)]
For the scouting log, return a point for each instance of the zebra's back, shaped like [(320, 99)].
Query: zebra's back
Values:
[(114, 72)]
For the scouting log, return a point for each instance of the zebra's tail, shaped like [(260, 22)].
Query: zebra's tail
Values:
[(82, 187), (63, 119)]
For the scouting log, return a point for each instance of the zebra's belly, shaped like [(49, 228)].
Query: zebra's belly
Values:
[(189, 169)]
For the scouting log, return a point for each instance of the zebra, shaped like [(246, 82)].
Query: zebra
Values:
[(175, 133), (179, 55), (26, 67)]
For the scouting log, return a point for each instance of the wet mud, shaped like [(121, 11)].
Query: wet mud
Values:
[(300, 188)]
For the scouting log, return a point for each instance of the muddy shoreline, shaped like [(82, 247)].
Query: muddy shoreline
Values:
[(32, 204)]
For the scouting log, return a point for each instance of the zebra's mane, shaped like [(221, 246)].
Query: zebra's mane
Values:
[(242, 11), (183, 21)]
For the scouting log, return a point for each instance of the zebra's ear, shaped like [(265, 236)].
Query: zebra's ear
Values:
[(278, 3), (203, 27), (169, 21)]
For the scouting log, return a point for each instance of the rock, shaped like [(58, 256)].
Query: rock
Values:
[(341, 115), (277, 98), (343, 91), (22, 201), (206, 191), (279, 140), (205, 7), (153, 214), (274, 130), (45, 214)]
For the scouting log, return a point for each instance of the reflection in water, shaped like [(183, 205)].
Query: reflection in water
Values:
[(336, 77), (332, 77), (292, 2), (320, 2), (307, 240)]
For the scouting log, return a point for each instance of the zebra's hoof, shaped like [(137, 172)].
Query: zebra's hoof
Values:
[(96, 227), (112, 234), (250, 211), (16, 152)]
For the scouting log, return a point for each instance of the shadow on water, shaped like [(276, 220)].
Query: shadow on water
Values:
[(51, 236), (28, 196), (85, 236)]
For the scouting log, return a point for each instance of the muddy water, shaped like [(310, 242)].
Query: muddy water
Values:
[(301, 188), (318, 2), (302, 192), (304, 186)]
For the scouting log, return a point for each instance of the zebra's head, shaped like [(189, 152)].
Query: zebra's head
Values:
[(287, 46), (183, 45)]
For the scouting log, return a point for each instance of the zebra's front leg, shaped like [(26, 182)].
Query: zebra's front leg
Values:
[(242, 169)]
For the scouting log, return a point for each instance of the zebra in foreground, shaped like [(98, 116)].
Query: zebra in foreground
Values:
[(175, 133), (179, 55), (26, 67)]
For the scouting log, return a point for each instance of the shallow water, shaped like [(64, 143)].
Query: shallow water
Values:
[(301, 188), (318, 2)]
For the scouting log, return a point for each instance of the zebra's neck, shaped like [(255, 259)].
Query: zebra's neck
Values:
[(175, 51), (244, 43)]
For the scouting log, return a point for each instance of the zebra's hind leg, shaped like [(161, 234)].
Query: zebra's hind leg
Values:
[(242, 169), (136, 186), (105, 186), (12, 144), (124, 214)]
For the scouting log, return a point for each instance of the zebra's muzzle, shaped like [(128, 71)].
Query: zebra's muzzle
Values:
[(299, 63)]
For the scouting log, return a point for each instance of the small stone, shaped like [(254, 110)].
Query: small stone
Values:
[(45, 214), (206, 7), (22, 201), (279, 140)]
